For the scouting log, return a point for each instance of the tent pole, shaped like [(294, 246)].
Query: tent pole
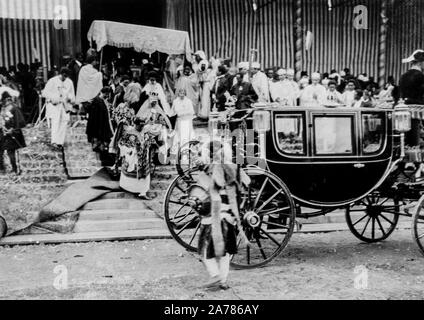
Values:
[(101, 60), (382, 45)]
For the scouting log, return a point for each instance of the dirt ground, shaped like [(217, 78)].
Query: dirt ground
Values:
[(314, 266)]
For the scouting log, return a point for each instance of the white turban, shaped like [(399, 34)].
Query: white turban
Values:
[(201, 54), (243, 65), (290, 72), (281, 72), (316, 76), (256, 65)]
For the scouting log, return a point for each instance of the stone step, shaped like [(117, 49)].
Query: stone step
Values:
[(106, 215), (129, 204), (85, 237), (119, 225)]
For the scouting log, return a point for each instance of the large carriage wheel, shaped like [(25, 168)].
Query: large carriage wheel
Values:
[(268, 216), (418, 225), (267, 212), (188, 157), (377, 218), (182, 220)]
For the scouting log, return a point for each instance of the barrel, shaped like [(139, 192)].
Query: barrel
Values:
[(3, 226)]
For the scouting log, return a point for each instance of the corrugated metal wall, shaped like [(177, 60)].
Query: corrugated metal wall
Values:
[(406, 34), (224, 28), (28, 32)]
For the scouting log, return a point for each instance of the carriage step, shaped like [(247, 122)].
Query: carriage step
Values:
[(58, 238), (117, 195), (107, 215), (108, 204), (119, 225)]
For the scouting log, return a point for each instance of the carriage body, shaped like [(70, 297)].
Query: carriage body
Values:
[(330, 157)]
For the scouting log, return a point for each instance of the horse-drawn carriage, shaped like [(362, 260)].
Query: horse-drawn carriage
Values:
[(319, 159)]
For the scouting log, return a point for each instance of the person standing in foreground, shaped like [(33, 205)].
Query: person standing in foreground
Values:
[(11, 137), (411, 87), (60, 97), (217, 192)]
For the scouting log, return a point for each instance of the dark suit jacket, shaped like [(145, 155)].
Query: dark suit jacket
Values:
[(411, 87), (245, 94), (221, 86)]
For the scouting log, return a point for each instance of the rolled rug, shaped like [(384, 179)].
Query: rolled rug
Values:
[(3, 226)]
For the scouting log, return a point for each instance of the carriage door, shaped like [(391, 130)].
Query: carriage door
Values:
[(334, 149)]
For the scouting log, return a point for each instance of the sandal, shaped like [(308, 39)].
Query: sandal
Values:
[(144, 197)]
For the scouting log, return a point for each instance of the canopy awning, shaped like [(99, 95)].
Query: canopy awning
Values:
[(141, 38)]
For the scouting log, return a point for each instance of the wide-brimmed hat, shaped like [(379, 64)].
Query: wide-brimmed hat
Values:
[(417, 56)]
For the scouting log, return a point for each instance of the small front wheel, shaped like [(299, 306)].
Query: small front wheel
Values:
[(374, 218), (418, 225)]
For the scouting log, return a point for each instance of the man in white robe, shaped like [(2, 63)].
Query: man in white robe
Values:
[(296, 89), (260, 83), (348, 97), (314, 95), (60, 97), (282, 91), (90, 82)]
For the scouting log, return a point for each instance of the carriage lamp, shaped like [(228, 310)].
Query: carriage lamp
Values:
[(261, 121), (262, 124), (402, 121)]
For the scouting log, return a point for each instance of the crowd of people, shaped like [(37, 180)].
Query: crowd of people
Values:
[(161, 102)]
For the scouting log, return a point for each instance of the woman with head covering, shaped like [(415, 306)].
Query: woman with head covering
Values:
[(11, 137), (155, 96), (132, 96), (136, 156), (189, 82), (183, 109), (154, 112)]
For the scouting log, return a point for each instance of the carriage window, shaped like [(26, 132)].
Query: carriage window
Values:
[(373, 129), (333, 135), (289, 131)]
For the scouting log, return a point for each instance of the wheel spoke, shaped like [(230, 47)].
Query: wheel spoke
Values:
[(276, 225), (260, 193), (177, 202), (185, 216), (269, 200), (360, 220), (381, 227), (384, 217), (185, 227), (179, 210), (366, 225), (195, 232), (274, 211), (260, 248), (270, 237), (387, 199), (373, 228), (248, 254)]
